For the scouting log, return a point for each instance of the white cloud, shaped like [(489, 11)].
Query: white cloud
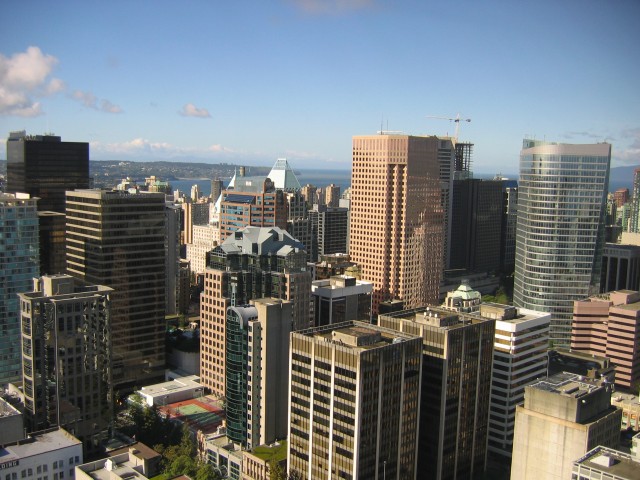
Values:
[(89, 100), (142, 147), (107, 106), (24, 76), (190, 110), (628, 154), (331, 6)]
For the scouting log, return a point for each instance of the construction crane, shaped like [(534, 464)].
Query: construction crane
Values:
[(457, 121)]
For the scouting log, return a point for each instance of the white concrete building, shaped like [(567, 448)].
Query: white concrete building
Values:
[(45, 456), (205, 237), (519, 358), (119, 467), (177, 390), (341, 298)]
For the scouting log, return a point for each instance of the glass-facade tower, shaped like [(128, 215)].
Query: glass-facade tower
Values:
[(560, 228)]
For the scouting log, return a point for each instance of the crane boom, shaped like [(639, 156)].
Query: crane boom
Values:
[(457, 121)]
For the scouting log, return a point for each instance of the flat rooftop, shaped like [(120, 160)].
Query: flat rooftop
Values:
[(178, 385), (356, 334), (38, 444), (609, 461), (569, 384)]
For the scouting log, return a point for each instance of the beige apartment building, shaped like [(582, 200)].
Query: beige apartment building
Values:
[(397, 216), (608, 325)]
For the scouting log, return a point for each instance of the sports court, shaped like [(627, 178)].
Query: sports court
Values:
[(199, 413)]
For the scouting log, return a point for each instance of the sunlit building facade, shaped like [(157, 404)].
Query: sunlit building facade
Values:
[(560, 229)]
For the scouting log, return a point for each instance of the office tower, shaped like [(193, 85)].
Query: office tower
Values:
[(332, 195), (254, 201), (329, 228), (509, 222), (19, 263), (563, 417), (172, 256), (519, 358), (66, 357), (620, 267), (45, 167), (341, 298), (456, 382), (634, 214), (309, 193), (283, 177), (194, 214), (216, 189), (353, 413), (257, 344), (117, 239), (299, 223), (203, 239), (560, 230), (476, 225), (252, 263), (184, 287), (621, 196), (396, 216), (52, 227), (609, 325), (195, 193)]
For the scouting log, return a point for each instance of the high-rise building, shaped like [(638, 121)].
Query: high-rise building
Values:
[(329, 226), (172, 256), (456, 383), (621, 196), (563, 417), (194, 214), (117, 239), (52, 227), (253, 201), (634, 214), (509, 223), (309, 193), (203, 239), (519, 358), (66, 358), (19, 264), (252, 263), (353, 411), (560, 230), (476, 225), (299, 223), (45, 167), (332, 195), (216, 189), (257, 347), (341, 298), (609, 325), (283, 177), (397, 218), (620, 267)]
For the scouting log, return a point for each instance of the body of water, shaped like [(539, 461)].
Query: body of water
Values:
[(319, 178)]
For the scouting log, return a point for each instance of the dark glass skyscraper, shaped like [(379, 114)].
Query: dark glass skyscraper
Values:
[(45, 167)]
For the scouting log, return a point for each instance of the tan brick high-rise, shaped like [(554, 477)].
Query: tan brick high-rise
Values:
[(397, 224)]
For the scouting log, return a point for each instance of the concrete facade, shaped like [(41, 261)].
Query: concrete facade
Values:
[(562, 418)]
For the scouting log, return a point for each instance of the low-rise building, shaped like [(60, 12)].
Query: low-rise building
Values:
[(11, 424), (124, 466), (630, 406), (44, 455), (219, 451), (258, 464), (176, 390)]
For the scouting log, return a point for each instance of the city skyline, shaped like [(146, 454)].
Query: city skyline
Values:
[(249, 83)]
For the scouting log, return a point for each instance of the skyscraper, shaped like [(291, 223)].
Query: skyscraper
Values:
[(252, 263), (560, 229), (634, 217), (117, 239), (257, 346), (456, 383), (19, 260), (45, 167), (353, 411), (397, 229), (329, 227), (66, 357)]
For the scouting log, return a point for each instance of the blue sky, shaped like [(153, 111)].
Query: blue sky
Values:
[(250, 81)]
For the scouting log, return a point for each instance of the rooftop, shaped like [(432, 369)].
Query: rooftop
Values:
[(360, 335), (568, 384), (37, 444), (275, 452), (611, 462)]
